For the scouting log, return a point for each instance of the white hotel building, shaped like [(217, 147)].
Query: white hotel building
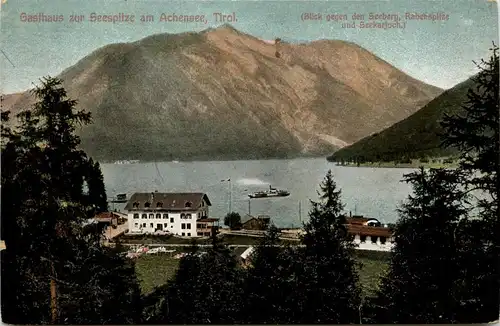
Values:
[(183, 214)]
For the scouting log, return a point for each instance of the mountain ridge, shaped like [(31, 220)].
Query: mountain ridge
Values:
[(417, 136), (224, 94)]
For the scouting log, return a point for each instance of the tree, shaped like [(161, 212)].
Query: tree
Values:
[(270, 283), (95, 185), (206, 289), (327, 281), (330, 202), (420, 286), (233, 220), (55, 269), (476, 135)]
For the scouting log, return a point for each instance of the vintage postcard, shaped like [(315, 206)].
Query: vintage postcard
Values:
[(259, 162)]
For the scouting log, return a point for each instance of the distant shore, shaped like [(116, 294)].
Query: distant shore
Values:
[(413, 165), (208, 159)]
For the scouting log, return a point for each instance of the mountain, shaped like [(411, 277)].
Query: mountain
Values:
[(414, 137), (221, 94)]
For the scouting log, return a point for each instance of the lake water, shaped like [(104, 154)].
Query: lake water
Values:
[(373, 192)]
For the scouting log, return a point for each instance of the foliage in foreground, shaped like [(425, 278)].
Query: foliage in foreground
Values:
[(421, 284), (54, 269), (206, 289), (445, 265), (328, 279)]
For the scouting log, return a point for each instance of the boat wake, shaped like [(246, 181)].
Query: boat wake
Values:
[(251, 182)]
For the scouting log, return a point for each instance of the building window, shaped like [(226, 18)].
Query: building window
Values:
[(165, 225), (189, 234), (171, 220), (151, 216), (135, 205), (151, 225), (136, 225), (165, 216), (147, 204), (183, 226), (159, 204), (200, 234), (144, 215), (158, 216), (188, 226), (183, 216), (188, 216), (188, 204), (143, 225), (183, 234), (171, 226), (136, 215)]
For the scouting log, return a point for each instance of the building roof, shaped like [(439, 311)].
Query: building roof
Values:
[(247, 218), (360, 220), (237, 251), (247, 253), (166, 201), (106, 215), (369, 230), (210, 219)]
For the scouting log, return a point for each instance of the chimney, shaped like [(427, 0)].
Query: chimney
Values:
[(152, 197)]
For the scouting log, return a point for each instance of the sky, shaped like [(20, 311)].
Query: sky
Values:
[(437, 52)]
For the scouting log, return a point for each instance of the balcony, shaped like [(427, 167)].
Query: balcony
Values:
[(204, 230)]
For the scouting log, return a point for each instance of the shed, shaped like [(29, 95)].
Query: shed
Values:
[(249, 222)]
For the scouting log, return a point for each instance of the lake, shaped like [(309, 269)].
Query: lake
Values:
[(373, 192)]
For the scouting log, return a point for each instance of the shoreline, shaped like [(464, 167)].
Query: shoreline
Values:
[(178, 161), (391, 165)]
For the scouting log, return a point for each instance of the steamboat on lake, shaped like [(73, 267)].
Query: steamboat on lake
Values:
[(272, 192)]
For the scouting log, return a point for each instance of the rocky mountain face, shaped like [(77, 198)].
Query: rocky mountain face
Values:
[(222, 94)]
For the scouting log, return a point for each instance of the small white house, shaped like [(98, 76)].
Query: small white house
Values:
[(176, 213)]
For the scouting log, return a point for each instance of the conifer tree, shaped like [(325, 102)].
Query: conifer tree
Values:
[(95, 185), (269, 284), (420, 286), (54, 269), (182, 302), (476, 134), (327, 281), (206, 289)]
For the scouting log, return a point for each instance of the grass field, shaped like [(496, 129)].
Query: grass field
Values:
[(370, 273), (154, 270)]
